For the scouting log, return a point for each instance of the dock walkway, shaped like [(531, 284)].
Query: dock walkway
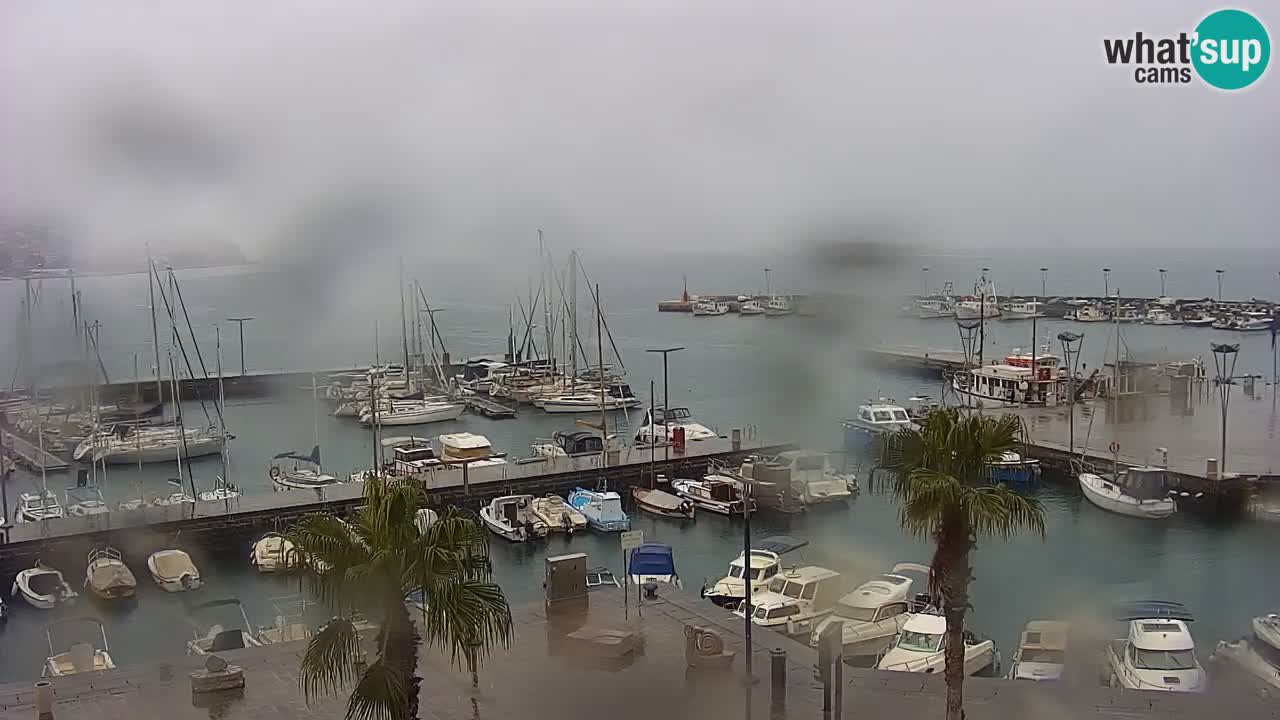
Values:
[(31, 455), (492, 409), (917, 358)]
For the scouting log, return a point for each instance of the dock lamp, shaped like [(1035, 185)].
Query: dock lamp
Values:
[(1071, 358), (1224, 362)]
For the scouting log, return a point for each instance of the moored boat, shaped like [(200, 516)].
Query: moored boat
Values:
[(874, 419), (107, 575), (603, 509), (874, 612), (38, 506), (43, 587), (653, 563), (661, 502), (1158, 653), (558, 515), (173, 570), (272, 553), (512, 517), (713, 493), (1041, 653), (211, 637), (1136, 492), (80, 657), (796, 599), (921, 648), (765, 562)]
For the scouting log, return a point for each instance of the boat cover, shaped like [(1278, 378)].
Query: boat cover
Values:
[(652, 559), (780, 544), (1153, 609), (173, 564), (105, 576)]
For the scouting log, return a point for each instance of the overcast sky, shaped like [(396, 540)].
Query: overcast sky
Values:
[(335, 127)]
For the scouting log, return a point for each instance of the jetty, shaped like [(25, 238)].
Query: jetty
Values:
[(484, 406), (933, 360), (30, 455)]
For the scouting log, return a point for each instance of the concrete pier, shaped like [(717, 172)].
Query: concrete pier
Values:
[(30, 454)]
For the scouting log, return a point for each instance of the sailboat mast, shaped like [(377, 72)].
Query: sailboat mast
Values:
[(222, 403), (573, 313), (404, 332), (155, 332), (315, 410), (604, 419), (546, 304)]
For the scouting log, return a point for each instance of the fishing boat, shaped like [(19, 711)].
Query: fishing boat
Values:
[(795, 601), (173, 571), (751, 307), (1160, 316), (558, 515), (107, 575), (512, 517), (1012, 383), (921, 648), (1140, 492), (43, 587), (1091, 313), (1012, 469), (765, 562), (81, 657), (585, 402), (704, 308), (663, 424), (983, 304), (873, 614), (874, 419), (569, 444), (1129, 314), (712, 493), (38, 506), (1041, 653), (213, 637), (603, 510), (414, 412), (1022, 310), (778, 307), (1257, 654), (272, 553), (931, 308), (653, 563), (661, 502), (1158, 653), (292, 471)]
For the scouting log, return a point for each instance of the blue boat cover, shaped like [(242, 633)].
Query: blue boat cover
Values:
[(1153, 610), (652, 559), (780, 544)]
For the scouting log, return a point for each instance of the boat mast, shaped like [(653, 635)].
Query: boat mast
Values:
[(604, 419), (573, 315), (155, 333), (1115, 392), (404, 333), (546, 306), (222, 405), (137, 438)]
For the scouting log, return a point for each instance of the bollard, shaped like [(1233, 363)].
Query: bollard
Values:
[(44, 700), (778, 679), (735, 436)]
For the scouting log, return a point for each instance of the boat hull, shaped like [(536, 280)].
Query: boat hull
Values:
[(649, 502), (167, 453), (415, 417), (1092, 487)]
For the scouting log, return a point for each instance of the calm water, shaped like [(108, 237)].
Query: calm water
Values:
[(791, 379)]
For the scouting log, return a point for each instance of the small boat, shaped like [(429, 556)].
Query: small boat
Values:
[(558, 515), (921, 648), (661, 502), (84, 501), (414, 412), (751, 307), (1137, 492), (663, 424), (273, 553), (222, 491), (601, 577), (107, 576), (713, 493), (173, 571), (1012, 469), (813, 480), (874, 419), (1198, 320), (1159, 653), (873, 614), (933, 307), (1042, 652), (1267, 629), (38, 506), (1012, 383), (80, 657), (217, 637), (603, 510), (653, 563), (704, 308), (797, 598), (174, 498), (569, 444), (1257, 655), (43, 588), (765, 563), (1022, 310), (1255, 324), (1091, 313), (290, 621), (464, 446), (778, 307), (292, 471), (512, 517)]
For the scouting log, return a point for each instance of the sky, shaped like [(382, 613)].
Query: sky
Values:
[(331, 129)]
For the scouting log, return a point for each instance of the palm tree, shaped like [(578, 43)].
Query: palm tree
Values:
[(371, 562), (938, 475)]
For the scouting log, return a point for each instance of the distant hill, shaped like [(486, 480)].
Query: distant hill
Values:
[(26, 247)]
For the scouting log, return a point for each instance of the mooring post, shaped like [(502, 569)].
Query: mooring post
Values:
[(778, 682)]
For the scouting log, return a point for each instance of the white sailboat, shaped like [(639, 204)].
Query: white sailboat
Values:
[(414, 412)]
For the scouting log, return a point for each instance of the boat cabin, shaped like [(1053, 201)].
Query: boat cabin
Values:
[(796, 594), (464, 446), (1013, 382), (579, 442), (621, 391), (411, 460), (1042, 651), (717, 488), (882, 417)]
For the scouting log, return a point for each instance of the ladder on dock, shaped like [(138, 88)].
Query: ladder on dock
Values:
[(30, 455)]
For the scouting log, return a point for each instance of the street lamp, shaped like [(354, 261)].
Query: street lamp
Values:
[(666, 393), (1224, 362), (924, 277), (1071, 358), (1044, 275), (1162, 273), (240, 321), (767, 292), (1219, 271), (1106, 282)]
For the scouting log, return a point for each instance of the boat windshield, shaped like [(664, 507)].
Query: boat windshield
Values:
[(900, 415), (882, 416), (1052, 657), (855, 613), (735, 571), (1164, 659), (919, 642)]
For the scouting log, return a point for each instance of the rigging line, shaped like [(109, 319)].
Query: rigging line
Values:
[(564, 305), (435, 331), (177, 337), (621, 366), (528, 319), (177, 289)]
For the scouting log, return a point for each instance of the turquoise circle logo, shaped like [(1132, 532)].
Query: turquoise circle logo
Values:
[(1232, 49)]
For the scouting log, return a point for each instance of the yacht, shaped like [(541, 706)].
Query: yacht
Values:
[(107, 576), (1012, 469), (710, 307), (1158, 653), (875, 611), (1254, 324), (1140, 492), (603, 510), (1160, 316), (1257, 654), (558, 515), (751, 307), (778, 307), (653, 563), (1022, 310), (1198, 320), (43, 587), (1042, 652), (292, 471), (81, 657), (713, 493), (38, 506), (173, 571), (872, 422), (272, 553), (661, 502), (797, 598), (413, 412), (218, 637), (585, 402), (512, 517), (663, 424), (921, 648), (765, 561)]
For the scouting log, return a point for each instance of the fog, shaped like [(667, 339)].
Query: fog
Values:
[(335, 128)]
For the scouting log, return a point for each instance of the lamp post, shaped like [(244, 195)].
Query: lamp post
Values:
[(768, 292), (1106, 282), (1044, 282), (239, 321), (1224, 361), (924, 279), (1162, 274), (666, 393), (1219, 272), (1071, 358)]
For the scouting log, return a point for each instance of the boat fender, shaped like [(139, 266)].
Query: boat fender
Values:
[(524, 503), (275, 473), (186, 580)]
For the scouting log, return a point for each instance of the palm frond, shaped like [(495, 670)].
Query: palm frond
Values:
[(928, 498), (380, 695), (329, 662), (999, 512), (467, 615)]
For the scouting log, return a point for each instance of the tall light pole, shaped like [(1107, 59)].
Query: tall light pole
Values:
[(1219, 271), (666, 393), (768, 292), (240, 321), (1224, 361), (924, 278), (1071, 358), (1044, 283), (1106, 282), (1162, 274)]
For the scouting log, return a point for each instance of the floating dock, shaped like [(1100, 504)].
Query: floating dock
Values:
[(491, 409), (30, 455)]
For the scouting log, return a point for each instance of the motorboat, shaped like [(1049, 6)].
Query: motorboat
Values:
[(1012, 383), (1022, 310), (704, 308), (1091, 313), (585, 402), (778, 307), (478, 375), (1258, 654), (293, 471), (1161, 316), (974, 309), (932, 307), (1012, 469), (107, 575), (173, 571), (1140, 492), (1128, 314), (217, 637), (1042, 651), (569, 444), (796, 600), (713, 493), (813, 480), (512, 517), (1198, 320), (1267, 629), (84, 501), (221, 492), (921, 648), (128, 444), (558, 515), (765, 562), (873, 614), (1255, 324), (464, 446), (81, 657), (751, 307), (37, 507), (653, 563), (1158, 653), (603, 509), (663, 424), (290, 622), (272, 553), (414, 412), (874, 419), (601, 578), (661, 502), (43, 588)]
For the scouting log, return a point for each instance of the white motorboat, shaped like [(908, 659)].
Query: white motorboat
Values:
[(766, 561), (663, 424), (217, 637), (1257, 655), (43, 588), (512, 517), (174, 498), (569, 444), (976, 309), (107, 575), (873, 614), (38, 506), (1254, 324), (1091, 313), (797, 599), (81, 657), (661, 502), (272, 553), (1022, 310), (921, 648), (813, 480), (1159, 653), (465, 446), (778, 307), (713, 493), (84, 501), (1042, 652), (1161, 316), (751, 307), (292, 471), (874, 420), (558, 515), (173, 571), (1267, 629), (1137, 492), (933, 307), (602, 509), (704, 308), (410, 412), (290, 622), (653, 563), (585, 402)]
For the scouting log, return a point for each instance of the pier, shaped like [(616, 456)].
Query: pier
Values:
[(492, 409), (30, 455), (934, 360)]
